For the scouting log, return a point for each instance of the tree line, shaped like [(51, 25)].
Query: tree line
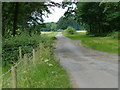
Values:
[(65, 22), (99, 18), (24, 16)]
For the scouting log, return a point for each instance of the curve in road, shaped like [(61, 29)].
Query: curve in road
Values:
[(87, 68)]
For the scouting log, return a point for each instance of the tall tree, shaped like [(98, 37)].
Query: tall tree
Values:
[(64, 22), (95, 16), (23, 14), (98, 18), (16, 10)]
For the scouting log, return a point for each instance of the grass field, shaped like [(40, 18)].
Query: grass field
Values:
[(105, 44), (48, 32)]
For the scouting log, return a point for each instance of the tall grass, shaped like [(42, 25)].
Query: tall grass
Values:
[(47, 72)]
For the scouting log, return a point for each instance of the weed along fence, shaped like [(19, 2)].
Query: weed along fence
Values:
[(10, 78)]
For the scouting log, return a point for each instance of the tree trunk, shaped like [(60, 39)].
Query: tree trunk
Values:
[(90, 28), (15, 18), (3, 24)]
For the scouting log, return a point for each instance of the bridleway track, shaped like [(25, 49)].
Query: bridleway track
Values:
[(87, 68)]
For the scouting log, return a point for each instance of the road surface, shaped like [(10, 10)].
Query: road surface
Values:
[(87, 68)]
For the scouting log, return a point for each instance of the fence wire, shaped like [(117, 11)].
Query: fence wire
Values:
[(29, 59), (5, 73), (18, 63)]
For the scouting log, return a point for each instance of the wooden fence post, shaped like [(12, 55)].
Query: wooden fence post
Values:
[(34, 56), (20, 53), (25, 61), (14, 77)]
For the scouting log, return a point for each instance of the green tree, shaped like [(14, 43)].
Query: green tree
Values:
[(99, 21), (65, 22), (23, 14), (53, 26), (98, 18)]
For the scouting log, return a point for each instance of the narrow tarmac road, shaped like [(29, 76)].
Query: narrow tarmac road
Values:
[(87, 68)]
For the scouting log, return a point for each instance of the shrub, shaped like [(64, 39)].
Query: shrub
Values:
[(70, 31), (114, 35), (10, 47)]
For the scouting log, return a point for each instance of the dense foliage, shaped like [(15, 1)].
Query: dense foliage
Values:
[(98, 18), (25, 16), (45, 72), (65, 22), (51, 26), (114, 35), (11, 46), (70, 31), (21, 23)]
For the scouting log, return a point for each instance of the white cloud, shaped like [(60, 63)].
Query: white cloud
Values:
[(56, 14)]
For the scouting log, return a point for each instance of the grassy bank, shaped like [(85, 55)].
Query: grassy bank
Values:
[(105, 44), (44, 75), (47, 72)]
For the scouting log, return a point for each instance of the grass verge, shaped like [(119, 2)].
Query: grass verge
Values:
[(47, 72), (45, 75), (105, 44)]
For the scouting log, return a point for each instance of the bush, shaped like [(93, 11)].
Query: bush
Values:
[(70, 31), (114, 35), (10, 47)]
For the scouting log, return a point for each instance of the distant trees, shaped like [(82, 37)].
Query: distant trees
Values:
[(50, 26), (53, 27), (65, 22)]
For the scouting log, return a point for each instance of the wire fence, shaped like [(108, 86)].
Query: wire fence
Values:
[(22, 60)]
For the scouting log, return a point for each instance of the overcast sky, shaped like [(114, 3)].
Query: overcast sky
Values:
[(56, 14)]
